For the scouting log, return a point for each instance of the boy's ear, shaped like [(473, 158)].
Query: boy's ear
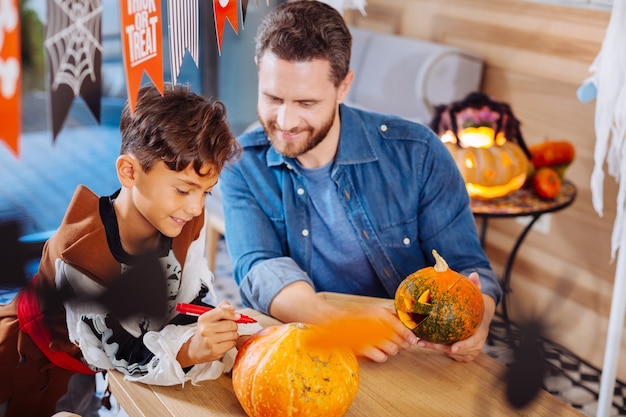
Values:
[(127, 167)]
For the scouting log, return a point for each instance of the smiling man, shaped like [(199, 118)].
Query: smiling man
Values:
[(331, 198)]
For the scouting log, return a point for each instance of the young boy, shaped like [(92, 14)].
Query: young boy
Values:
[(173, 149)]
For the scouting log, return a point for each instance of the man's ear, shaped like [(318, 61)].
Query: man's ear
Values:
[(127, 166), (344, 87)]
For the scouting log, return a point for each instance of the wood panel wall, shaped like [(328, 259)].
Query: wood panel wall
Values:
[(536, 56)]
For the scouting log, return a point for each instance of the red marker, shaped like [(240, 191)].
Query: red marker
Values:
[(196, 310)]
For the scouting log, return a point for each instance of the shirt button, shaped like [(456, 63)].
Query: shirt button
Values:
[(383, 128), (289, 166), (305, 232), (300, 191), (406, 241)]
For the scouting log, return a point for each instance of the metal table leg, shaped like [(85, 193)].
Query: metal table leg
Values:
[(506, 276)]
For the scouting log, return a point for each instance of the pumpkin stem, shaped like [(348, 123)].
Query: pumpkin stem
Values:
[(441, 265)]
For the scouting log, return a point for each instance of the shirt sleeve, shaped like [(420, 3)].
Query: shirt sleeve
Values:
[(447, 223), (256, 239), (259, 286)]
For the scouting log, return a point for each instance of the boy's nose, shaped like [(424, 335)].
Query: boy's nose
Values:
[(194, 206)]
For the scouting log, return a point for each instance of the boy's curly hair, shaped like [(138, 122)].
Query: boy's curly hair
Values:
[(180, 128)]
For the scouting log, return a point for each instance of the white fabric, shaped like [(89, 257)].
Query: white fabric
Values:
[(347, 4), (609, 77)]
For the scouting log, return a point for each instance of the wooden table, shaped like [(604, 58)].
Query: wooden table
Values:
[(418, 382)]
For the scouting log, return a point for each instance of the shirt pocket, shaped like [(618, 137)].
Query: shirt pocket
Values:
[(399, 235)]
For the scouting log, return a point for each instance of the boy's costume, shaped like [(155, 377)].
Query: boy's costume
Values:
[(86, 253)]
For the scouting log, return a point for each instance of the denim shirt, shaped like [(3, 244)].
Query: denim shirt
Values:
[(401, 190)]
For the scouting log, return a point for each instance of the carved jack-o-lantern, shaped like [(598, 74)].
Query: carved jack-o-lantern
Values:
[(491, 166), (484, 139)]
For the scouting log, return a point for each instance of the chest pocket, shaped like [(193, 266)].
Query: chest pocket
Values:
[(399, 235)]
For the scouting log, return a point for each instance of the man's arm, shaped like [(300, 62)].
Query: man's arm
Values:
[(299, 302)]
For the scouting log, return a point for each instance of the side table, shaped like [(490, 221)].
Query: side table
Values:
[(523, 202)]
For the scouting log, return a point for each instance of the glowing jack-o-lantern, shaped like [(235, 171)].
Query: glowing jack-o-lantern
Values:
[(484, 138), (490, 165)]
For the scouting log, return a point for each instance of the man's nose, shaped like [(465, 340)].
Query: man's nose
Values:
[(287, 118)]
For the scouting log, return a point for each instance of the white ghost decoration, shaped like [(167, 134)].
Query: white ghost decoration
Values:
[(347, 4)]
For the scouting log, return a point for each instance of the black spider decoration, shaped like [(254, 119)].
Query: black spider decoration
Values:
[(445, 118)]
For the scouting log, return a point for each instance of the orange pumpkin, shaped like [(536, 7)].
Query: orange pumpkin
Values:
[(438, 304), (547, 182), (277, 373), (490, 167), (552, 152)]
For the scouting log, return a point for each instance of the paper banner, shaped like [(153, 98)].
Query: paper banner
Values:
[(183, 17), (244, 11), (10, 74), (222, 10), (142, 24), (73, 47)]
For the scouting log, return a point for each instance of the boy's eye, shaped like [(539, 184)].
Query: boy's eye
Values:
[(181, 192)]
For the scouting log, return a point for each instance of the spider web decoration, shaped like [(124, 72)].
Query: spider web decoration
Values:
[(183, 16), (10, 74), (74, 49)]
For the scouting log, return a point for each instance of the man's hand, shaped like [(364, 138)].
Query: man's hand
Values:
[(215, 335), (468, 349), (300, 302), (402, 337)]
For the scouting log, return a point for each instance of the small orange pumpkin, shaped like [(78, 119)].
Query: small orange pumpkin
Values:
[(547, 183), (438, 304), (552, 152), (277, 373)]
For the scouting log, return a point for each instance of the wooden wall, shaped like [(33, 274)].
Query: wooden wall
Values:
[(536, 55)]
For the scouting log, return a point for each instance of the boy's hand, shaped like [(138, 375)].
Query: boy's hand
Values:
[(216, 334)]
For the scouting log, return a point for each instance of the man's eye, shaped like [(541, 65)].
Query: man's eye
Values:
[(181, 192)]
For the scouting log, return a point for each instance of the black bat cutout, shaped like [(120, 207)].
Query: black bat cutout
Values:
[(12, 256), (140, 290), (525, 376)]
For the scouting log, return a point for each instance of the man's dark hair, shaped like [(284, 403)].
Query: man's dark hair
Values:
[(301, 31)]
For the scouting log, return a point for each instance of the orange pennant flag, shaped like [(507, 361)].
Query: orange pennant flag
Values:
[(142, 24), (222, 10), (10, 74)]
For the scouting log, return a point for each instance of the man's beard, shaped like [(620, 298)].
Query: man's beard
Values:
[(293, 150)]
